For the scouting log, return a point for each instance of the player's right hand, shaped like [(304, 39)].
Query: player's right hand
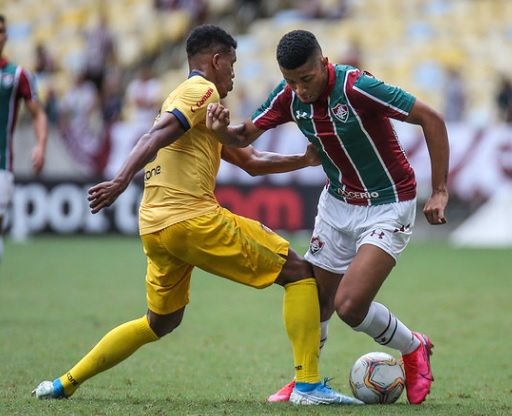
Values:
[(103, 195)]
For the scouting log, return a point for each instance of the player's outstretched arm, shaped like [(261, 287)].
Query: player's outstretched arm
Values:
[(167, 130), (256, 163), (436, 136)]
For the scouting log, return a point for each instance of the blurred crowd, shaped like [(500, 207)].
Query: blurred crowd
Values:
[(108, 104)]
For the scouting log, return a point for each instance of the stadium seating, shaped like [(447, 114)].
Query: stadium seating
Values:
[(406, 42)]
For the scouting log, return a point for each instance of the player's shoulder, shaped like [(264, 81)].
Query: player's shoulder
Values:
[(11, 66), (197, 85), (282, 90)]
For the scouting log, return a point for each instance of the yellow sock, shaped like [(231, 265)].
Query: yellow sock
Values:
[(113, 348), (301, 312)]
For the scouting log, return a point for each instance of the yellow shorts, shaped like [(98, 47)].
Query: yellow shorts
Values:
[(221, 243)]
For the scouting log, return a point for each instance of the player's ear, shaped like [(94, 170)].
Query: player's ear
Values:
[(215, 60)]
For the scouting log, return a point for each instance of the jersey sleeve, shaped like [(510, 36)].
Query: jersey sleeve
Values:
[(27, 86), (276, 110), (190, 102), (373, 95)]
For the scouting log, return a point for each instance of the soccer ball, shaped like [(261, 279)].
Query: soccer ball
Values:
[(377, 377)]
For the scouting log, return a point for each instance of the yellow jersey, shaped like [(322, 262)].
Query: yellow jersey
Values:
[(179, 183)]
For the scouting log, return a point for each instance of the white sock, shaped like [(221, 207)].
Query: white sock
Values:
[(387, 330), (324, 331)]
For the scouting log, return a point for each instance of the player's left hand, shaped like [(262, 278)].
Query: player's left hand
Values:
[(217, 117), (37, 159), (434, 208)]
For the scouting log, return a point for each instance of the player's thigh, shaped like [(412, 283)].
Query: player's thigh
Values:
[(364, 277), (385, 233), (167, 277), (230, 246)]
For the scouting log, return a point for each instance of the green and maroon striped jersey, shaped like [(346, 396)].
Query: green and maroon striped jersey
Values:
[(351, 128), (15, 83)]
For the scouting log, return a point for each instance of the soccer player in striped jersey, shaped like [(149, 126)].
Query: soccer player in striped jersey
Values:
[(16, 83), (367, 210), (182, 227)]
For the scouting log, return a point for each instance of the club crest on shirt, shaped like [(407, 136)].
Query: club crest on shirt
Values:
[(315, 245), (7, 80), (341, 112)]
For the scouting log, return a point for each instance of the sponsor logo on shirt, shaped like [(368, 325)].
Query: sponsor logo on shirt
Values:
[(152, 172), (341, 112), (357, 195), (203, 99), (301, 115)]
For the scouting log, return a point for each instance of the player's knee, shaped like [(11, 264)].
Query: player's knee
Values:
[(350, 312), (165, 324), (295, 269)]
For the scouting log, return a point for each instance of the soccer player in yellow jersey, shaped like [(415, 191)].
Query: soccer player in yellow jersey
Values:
[(182, 226)]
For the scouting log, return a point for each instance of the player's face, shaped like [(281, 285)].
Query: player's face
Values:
[(309, 80), (225, 72)]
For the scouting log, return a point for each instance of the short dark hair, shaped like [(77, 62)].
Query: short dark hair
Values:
[(3, 19), (295, 48), (206, 38)]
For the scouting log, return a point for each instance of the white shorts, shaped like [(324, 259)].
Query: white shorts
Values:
[(6, 190), (341, 228)]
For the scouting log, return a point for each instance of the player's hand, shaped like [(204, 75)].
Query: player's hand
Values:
[(217, 117), (434, 208), (37, 159), (103, 195), (312, 155)]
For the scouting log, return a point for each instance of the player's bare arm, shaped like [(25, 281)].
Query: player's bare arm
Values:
[(256, 163), (436, 136), (166, 131), (240, 135), (41, 132)]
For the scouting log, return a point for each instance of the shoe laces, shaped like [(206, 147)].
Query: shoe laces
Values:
[(326, 380)]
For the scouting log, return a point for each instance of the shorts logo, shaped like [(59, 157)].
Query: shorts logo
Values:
[(315, 245), (268, 230), (402, 229), (341, 112), (378, 234)]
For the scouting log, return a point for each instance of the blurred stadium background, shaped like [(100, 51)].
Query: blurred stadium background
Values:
[(454, 54)]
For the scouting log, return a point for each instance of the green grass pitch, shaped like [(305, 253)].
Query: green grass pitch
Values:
[(60, 295)]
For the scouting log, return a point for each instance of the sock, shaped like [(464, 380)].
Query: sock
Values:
[(301, 312), (324, 331), (113, 348), (387, 330)]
